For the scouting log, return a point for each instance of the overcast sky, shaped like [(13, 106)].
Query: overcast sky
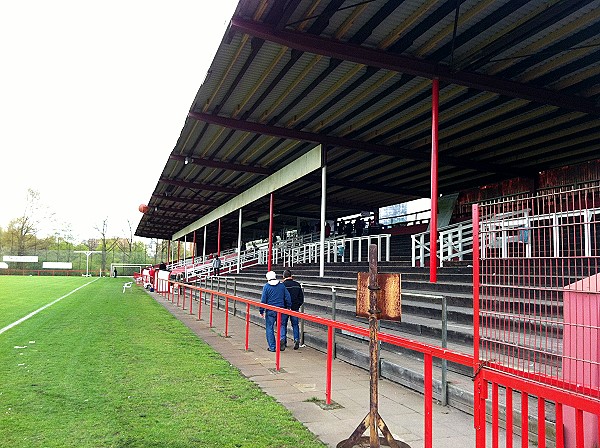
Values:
[(93, 96)]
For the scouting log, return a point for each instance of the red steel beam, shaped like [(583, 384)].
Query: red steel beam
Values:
[(162, 208), (329, 140), (186, 200)]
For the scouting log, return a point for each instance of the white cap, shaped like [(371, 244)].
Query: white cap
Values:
[(271, 275)]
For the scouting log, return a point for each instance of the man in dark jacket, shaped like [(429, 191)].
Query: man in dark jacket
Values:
[(297, 296), (276, 294), (216, 265)]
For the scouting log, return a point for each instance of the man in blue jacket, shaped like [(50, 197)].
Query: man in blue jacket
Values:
[(276, 294), (297, 295)]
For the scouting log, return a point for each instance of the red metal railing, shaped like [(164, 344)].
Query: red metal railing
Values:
[(430, 351), (549, 400), (537, 312), (539, 293)]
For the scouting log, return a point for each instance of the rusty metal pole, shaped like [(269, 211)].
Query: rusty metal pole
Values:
[(373, 352), (374, 308)]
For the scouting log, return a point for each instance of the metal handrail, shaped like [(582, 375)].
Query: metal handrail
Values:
[(455, 241), (335, 249), (331, 324), (304, 249)]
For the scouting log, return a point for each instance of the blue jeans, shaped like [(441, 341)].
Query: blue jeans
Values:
[(295, 326), (270, 325)]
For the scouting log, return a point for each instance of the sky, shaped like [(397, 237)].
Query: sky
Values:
[(93, 96)]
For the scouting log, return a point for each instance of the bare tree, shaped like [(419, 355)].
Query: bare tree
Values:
[(103, 242), (23, 230), (164, 250), (126, 244)]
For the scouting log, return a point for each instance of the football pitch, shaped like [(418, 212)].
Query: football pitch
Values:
[(85, 365)]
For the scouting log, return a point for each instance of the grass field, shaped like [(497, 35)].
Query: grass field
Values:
[(21, 295), (100, 368)]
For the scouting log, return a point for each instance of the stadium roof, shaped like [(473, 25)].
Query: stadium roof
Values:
[(519, 89)]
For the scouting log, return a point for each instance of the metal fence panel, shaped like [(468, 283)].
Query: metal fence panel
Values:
[(539, 287)]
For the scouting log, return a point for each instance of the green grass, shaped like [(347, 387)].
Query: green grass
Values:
[(20, 296), (105, 369)]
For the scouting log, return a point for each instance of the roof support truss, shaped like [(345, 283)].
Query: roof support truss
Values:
[(374, 148)]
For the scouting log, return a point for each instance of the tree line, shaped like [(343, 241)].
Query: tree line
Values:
[(22, 238)]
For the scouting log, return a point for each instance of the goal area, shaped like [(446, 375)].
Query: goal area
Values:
[(126, 269)]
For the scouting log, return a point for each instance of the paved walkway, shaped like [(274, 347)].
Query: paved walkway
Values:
[(302, 378)]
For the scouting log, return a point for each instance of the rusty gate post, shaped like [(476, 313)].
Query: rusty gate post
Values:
[(373, 420), (373, 344)]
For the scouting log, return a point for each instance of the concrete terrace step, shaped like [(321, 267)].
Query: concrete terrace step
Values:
[(415, 305), (427, 324), (421, 301), (421, 319)]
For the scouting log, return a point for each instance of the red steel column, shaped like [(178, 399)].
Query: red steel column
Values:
[(433, 234), (428, 392), (329, 364), (479, 384), (270, 233), (194, 248), (247, 326), (219, 239), (475, 215)]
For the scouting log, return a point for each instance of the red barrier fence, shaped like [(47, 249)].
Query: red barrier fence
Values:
[(549, 400), (537, 310), (207, 296)]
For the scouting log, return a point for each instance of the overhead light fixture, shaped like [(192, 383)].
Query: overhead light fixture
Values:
[(188, 160)]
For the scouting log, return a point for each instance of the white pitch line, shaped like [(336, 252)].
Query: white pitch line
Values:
[(33, 313)]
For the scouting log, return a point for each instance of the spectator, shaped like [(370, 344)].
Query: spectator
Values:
[(276, 294), (297, 296), (162, 266), (216, 265), (349, 230), (374, 227), (327, 229), (359, 226), (304, 228)]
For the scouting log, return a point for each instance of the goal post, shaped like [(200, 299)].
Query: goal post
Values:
[(126, 269)]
